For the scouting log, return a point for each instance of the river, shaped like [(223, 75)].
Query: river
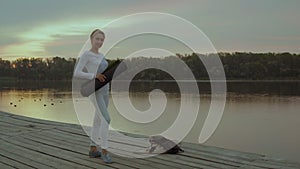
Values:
[(261, 118)]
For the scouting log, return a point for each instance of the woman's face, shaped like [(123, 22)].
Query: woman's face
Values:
[(97, 40)]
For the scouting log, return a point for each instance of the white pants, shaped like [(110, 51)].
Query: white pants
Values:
[(101, 121)]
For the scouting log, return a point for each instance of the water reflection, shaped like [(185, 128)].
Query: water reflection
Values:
[(239, 87), (290, 88), (47, 104), (259, 117)]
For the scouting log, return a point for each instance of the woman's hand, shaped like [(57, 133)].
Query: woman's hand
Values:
[(101, 77)]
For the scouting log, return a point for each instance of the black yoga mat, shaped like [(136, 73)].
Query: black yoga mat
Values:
[(93, 85)]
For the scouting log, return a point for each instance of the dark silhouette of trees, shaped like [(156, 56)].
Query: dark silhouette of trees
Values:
[(60, 68), (5, 68), (238, 65), (38, 69), (261, 65)]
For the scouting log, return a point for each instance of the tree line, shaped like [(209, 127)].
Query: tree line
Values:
[(55, 68), (238, 65)]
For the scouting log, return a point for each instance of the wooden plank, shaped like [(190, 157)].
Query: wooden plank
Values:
[(134, 163), (71, 156), (274, 164), (24, 152), (112, 138), (207, 158), (233, 156), (156, 163), (5, 114), (230, 159), (14, 163), (249, 166), (22, 155), (69, 136), (34, 143), (21, 123), (50, 153), (179, 164), (222, 151), (222, 159), (32, 120), (11, 129), (40, 121), (66, 145), (5, 166), (71, 130), (47, 136), (3, 134), (192, 162), (27, 121), (79, 150), (209, 161), (178, 161), (54, 141), (9, 159)]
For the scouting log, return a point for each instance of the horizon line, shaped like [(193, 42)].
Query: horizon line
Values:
[(222, 52)]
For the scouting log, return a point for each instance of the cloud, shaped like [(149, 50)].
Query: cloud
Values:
[(28, 28), (21, 49), (34, 42)]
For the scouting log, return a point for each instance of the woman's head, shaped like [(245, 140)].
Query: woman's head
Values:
[(97, 38)]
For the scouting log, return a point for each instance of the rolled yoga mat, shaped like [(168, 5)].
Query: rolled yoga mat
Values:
[(93, 85)]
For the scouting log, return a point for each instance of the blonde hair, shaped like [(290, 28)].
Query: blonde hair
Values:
[(96, 31)]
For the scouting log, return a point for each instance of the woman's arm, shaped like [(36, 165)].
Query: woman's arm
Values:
[(79, 73)]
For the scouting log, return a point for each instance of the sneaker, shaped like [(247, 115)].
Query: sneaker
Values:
[(95, 154), (106, 158)]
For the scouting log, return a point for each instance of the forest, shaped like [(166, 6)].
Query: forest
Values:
[(237, 65)]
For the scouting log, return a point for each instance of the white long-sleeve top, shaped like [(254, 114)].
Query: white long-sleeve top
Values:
[(94, 63)]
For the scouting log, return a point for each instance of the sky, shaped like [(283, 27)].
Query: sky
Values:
[(47, 28)]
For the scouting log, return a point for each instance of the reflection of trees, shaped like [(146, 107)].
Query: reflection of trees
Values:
[(236, 65)]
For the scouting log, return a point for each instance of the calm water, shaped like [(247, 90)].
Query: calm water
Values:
[(261, 121)]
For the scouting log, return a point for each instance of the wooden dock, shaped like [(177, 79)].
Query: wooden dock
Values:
[(33, 143)]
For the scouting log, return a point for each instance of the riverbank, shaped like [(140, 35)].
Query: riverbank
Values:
[(33, 143)]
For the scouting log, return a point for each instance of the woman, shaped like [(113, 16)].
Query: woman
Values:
[(95, 63)]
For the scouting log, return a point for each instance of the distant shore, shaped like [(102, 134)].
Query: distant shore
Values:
[(235, 65)]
